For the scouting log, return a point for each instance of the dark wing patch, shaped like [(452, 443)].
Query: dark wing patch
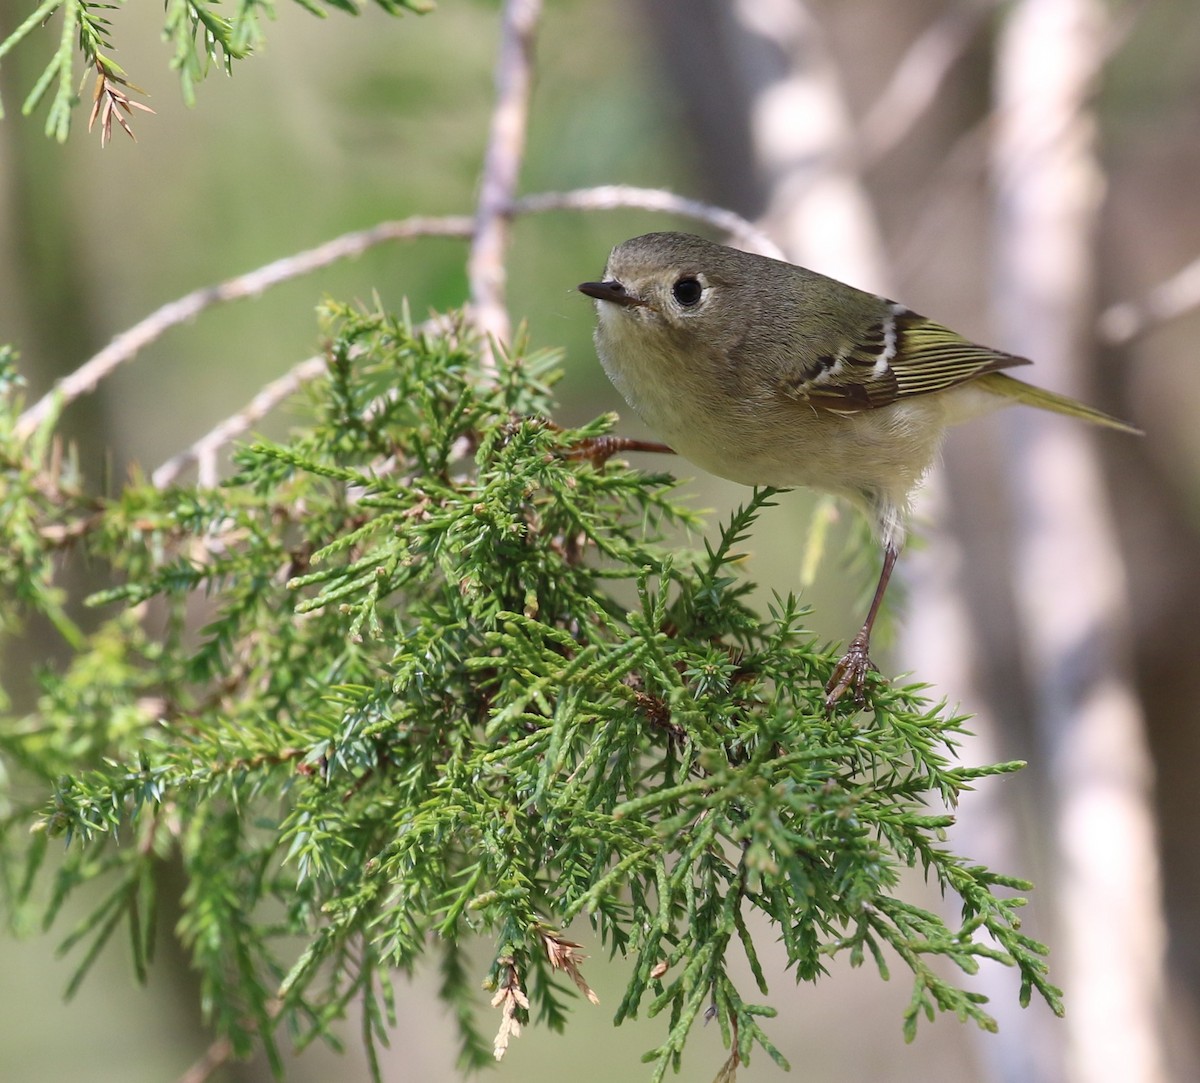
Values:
[(899, 355), (858, 377)]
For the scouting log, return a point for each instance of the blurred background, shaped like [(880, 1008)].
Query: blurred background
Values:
[(880, 142)]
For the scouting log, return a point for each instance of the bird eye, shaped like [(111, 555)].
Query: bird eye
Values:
[(687, 291)]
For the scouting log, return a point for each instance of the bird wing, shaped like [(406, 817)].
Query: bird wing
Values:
[(897, 355)]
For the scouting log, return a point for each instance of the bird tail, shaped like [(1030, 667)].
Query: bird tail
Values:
[(1000, 384)]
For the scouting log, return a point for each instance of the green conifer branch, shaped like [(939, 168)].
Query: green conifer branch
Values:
[(457, 686)]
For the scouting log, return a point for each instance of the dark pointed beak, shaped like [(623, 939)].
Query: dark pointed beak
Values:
[(611, 290)]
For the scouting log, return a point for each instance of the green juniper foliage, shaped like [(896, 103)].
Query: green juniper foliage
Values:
[(429, 679)]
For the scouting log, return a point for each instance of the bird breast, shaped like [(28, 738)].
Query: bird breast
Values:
[(752, 433)]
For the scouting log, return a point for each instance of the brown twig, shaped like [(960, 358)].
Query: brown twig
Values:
[(208, 1062), (501, 169)]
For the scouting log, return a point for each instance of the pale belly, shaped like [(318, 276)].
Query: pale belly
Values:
[(878, 453)]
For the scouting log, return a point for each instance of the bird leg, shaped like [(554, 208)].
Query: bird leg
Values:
[(850, 674), (599, 449)]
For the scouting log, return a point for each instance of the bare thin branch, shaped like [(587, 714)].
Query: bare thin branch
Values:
[(128, 343), (614, 196), (1170, 299), (501, 168), (203, 453)]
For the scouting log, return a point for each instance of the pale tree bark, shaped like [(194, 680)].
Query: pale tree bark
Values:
[(763, 98), (486, 274), (940, 644), (1069, 581), (803, 145)]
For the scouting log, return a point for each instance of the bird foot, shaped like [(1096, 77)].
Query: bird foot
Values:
[(850, 674)]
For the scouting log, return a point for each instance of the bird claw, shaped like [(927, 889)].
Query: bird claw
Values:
[(850, 674)]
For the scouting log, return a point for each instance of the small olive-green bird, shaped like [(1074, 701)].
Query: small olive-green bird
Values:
[(771, 374)]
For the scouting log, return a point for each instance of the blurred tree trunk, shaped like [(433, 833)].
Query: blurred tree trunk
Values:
[(1150, 232), (1069, 580), (749, 72)]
